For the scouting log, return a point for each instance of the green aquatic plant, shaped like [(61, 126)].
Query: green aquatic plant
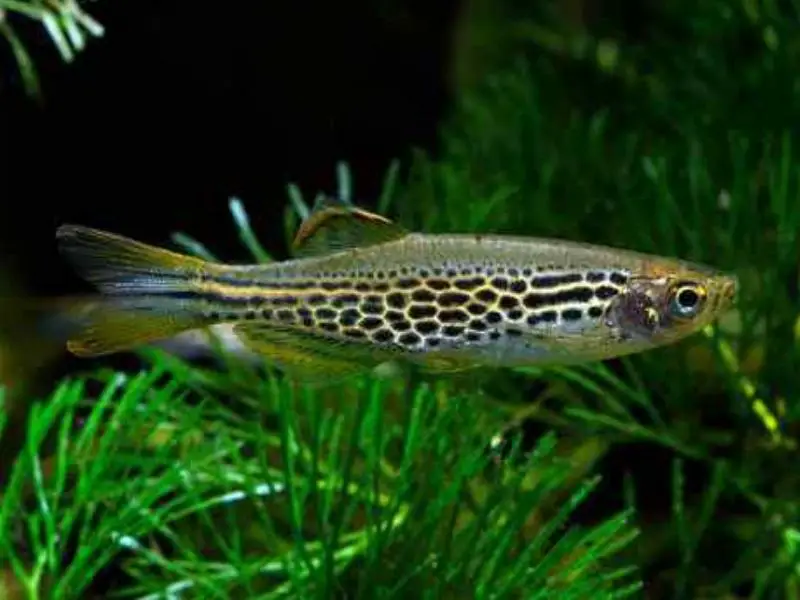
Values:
[(67, 24), (666, 474)]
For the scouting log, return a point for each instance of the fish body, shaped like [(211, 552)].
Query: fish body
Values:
[(364, 291)]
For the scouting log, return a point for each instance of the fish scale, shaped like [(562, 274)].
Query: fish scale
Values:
[(362, 290)]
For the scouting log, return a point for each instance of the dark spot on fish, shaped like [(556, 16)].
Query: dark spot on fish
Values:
[(473, 336), (486, 295), (549, 281), (317, 299), (452, 330), (572, 314), (515, 314), (423, 295), (407, 283), (453, 316), (363, 286), (476, 309), (426, 327), (345, 299), (618, 278), (494, 335), (349, 317), (284, 301), (448, 299), (381, 287), (501, 283), (383, 336), (266, 313), (325, 314), (548, 316), (604, 292), (469, 284), (595, 312), (576, 294), (513, 332), (402, 325), (394, 316), (478, 325), (493, 317), (518, 286), (508, 302), (396, 300), (409, 339), (308, 322), (420, 311), (335, 285), (438, 284), (372, 307), (595, 277), (370, 323), (250, 315)]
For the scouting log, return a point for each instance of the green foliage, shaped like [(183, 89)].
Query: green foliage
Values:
[(65, 22), (378, 490), (676, 466)]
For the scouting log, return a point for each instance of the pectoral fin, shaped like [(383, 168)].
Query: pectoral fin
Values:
[(307, 356), (442, 363)]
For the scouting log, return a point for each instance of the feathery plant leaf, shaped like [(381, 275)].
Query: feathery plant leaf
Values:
[(370, 491), (66, 23)]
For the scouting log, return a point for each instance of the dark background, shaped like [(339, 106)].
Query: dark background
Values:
[(176, 109)]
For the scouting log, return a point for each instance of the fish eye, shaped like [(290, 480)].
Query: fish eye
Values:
[(686, 300)]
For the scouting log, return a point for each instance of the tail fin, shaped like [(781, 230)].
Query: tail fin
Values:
[(148, 292), (119, 265), (105, 325)]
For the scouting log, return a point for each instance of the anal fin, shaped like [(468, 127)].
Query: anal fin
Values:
[(307, 356)]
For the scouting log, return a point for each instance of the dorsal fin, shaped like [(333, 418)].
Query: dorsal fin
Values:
[(333, 226)]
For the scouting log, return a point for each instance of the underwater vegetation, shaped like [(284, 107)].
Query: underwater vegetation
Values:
[(669, 473)]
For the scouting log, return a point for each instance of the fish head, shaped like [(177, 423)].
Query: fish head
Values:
[(665, 303)]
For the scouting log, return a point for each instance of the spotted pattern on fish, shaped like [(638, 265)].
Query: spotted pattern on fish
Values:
[(421, 309)]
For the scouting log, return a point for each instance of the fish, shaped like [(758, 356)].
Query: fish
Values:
[(361, 290)]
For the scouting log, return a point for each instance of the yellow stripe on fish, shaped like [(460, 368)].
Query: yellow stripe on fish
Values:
[(363, 291)]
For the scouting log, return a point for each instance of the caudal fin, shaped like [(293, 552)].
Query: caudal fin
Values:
[(120, 265), (106, 325), (148, 292)]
